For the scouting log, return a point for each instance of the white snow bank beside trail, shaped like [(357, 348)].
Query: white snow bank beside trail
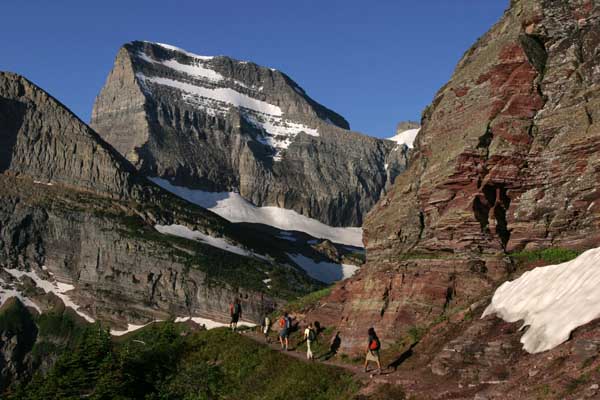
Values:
[(130, 328), (58, 288), (235, 208), (407, 137), (324, 271), (210, 324), (220, 243), (552, 300)]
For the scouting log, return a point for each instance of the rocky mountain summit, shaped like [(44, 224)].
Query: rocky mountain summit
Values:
[(505, 164), (223, 125)]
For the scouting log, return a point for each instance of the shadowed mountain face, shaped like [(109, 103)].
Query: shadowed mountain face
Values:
[(219, 124), (506, 160)]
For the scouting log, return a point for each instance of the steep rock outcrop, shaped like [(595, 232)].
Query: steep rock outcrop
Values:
[(506, 160), (42, 139), (220, 124)]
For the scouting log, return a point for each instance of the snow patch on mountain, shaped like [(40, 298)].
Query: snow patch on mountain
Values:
[(196, 70), (220, 243), (209, 92), (234, 208), (552, 301), (407, 137), (7, 291), (220, 94), (58, 288), (278, 133), (187, 53), (323, 271), (211, 324)]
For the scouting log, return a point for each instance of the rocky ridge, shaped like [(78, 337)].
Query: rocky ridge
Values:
[(219, 124), (505, 161)]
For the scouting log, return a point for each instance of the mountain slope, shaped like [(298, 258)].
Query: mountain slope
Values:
[(505, 161), (224, 125), (77, 222)]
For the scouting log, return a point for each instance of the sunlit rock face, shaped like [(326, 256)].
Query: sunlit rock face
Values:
[(506, 160), (215, 123)]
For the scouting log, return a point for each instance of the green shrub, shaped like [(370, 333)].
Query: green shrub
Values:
[(553, 255)]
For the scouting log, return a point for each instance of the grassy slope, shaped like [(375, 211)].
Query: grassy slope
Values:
[(166, 361)]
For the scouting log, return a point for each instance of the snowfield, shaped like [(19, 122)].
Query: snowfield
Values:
[(58, 288), (552, 300), (220, 243), (407, 137), (234, 208)]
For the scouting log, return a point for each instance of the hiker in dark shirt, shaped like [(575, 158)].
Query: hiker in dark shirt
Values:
[(235, 310)]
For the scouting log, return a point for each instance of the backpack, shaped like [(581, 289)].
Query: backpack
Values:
[(374, 344), (311, 335), (288, 323), (236, 309), (282, 322)]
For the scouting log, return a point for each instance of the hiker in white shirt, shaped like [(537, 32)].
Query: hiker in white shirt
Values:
[(310, 336)]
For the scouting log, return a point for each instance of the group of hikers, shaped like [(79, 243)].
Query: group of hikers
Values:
[(310, 336)]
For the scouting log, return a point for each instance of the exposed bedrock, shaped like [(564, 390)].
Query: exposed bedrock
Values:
[(506, 160)]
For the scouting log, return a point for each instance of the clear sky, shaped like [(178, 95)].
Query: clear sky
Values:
[(375, 62)]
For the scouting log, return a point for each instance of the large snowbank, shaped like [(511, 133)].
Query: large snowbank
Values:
[(58, 288), (552, 300), (235, 208)]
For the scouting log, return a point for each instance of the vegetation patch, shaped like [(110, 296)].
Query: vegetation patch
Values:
[(167, 361), (549, 256), (307, 301)]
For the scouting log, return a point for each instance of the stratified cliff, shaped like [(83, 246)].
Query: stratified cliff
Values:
[(219, 124), (74, 212), (506, 160)]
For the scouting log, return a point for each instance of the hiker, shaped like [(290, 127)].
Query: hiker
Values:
[(235, 310), (310, 336), (285, 324), (266, 328), (373, 350)]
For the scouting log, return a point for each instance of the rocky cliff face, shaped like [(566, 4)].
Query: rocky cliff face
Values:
[(506, 160), (220, 124), (74, 212), (34, 143)]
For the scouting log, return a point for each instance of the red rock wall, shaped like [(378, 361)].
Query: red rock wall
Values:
[(506, 160)]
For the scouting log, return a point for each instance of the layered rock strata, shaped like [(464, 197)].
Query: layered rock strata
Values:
[(219, 124), (505, 161)]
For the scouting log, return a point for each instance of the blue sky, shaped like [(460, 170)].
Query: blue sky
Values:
[(374, 62)]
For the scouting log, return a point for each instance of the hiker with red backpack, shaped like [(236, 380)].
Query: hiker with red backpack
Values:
[(373, 350), (235, 311), (285, 325)]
